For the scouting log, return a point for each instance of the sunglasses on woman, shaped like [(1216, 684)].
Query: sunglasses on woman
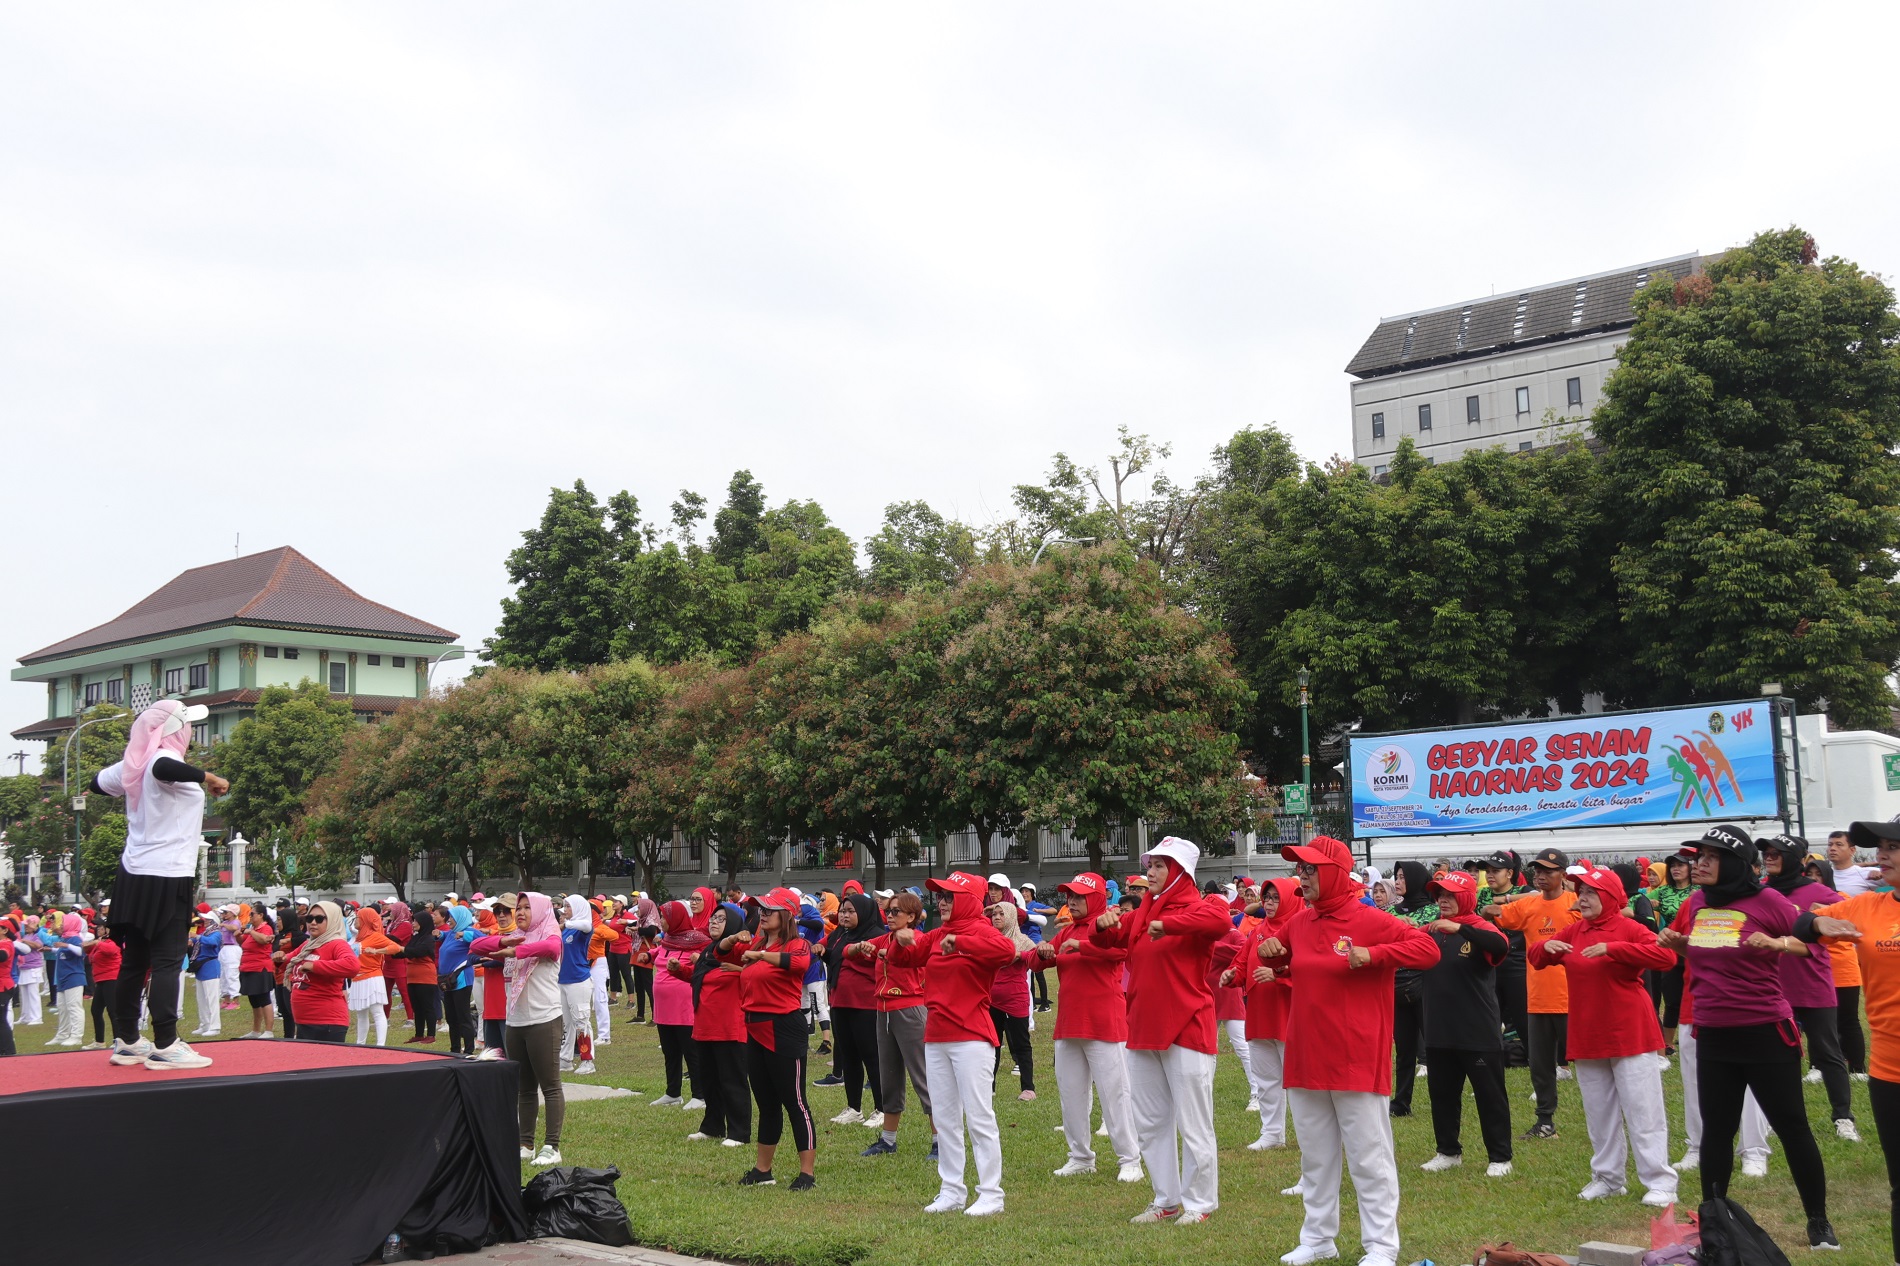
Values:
[(316, 918)]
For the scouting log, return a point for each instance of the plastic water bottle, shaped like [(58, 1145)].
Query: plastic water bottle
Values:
[(392, 1248)]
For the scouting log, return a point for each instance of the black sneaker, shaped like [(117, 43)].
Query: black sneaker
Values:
[(1400, 1110), (824, 1047), (880, 1148), (758, 1178), (829, 1080), (1542, 1130), (1821, 1235), (804, 1182)]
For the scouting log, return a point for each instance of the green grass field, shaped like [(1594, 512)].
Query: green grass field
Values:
[(685, 1196)]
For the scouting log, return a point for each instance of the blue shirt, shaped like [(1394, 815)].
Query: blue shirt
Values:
[(574, 967), (204, 955), (69, 968)]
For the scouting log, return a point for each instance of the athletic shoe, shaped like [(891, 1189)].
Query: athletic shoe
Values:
[(691, 1105), (605, 1041), (177, 1055), (1821, 1235), (944, 1204), (824, 1047), (1542, 1130), (1294, 1190), (1563, 1072), (931, 1155), (1253, 1105), (1441, 1162), (93, 1046), (1074, 1167), (875, 1121), (1662, 1063), (1597, 1189), (547, 1156), (1373, 1259), (1156, 1213), (829, 1081), (1691, 1159), (730, 1143), (1400, 1110), (1266, 1143), (698, 1136), (266, 1036), (1027, 1096), (411, 1041), (1100, 1133), (1015, 1070), (804, 1182), (566, 1066), (1659, 1199), (666, 1101), (1498, 1169), (758, 1178), (1846, 1129), (1814, 1077), (527, 1153), (1308, 1253), (1754, 1164), (1420, 1071), (585, 1069), (1131, 1172), (850, 1116), (71, 1041), (1191, 1219), (126, 1056), (984, 1208), (1858, 1076), (880, 1148)]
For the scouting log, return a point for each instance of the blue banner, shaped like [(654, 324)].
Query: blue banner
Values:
[(1697, 764)]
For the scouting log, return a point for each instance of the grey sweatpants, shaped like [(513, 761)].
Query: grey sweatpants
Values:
[(537, 1049), (900, 1050)]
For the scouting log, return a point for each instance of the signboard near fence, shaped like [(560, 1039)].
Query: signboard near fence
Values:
[(1694, 764)]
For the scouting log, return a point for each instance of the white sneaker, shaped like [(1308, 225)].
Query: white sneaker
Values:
[(693, 1105), (1659, 1199), (1498, 1169), (1186, 1218), (1662, 1062), (984, 1208), (71, 1041), (1074, 1167), (177, 1055), (1597, 1189), (584, 1069), (547, 1156), (1441, 1162), (944, 1204), (1691, 1159), (1420, 1071), (1131, 1172), (1307, 1253), (527, 1153), (1847, 1129), (1374, 1259), (1294, 1190), (697, 1136), (850, 1116), (1266, 1143), (1754, 1164), (1814, 1077), (1253, 1105), (1563, 1072), (1101, 1133), (666, 1101), (1858, 1076), (730, 1143), (875, 1121), (1156, 1213)]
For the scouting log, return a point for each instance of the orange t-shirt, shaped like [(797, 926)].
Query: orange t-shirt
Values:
[(1546, 989), (1877, 915)]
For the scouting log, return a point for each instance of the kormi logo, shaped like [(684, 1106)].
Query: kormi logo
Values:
[(1389, 773)]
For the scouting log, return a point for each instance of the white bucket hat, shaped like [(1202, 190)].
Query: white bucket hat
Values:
[(1185, 853)]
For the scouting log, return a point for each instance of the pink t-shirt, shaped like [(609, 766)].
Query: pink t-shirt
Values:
[(1735, 984)]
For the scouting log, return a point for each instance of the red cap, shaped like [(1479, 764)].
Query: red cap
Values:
[(1086, 884), (1606, 882), (780, 899), (204, 907), (1454, 881), (960, 881)]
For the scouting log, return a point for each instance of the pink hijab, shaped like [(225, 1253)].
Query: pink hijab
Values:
[(73, 926), (541, 925), (151, 738)]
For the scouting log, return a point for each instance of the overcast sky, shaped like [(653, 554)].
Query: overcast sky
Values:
[(368, 279)]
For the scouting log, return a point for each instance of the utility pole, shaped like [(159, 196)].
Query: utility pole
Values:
[(20, 758), (1306, 746)]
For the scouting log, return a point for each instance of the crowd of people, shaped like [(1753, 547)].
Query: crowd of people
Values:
[(1336, 988)]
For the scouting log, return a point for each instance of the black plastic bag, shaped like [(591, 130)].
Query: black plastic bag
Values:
[(1731, 1238), (577, 1204)]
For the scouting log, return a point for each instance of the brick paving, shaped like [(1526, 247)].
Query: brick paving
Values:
[(547, 1252)]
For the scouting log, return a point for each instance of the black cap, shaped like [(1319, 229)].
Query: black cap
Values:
[(1872, 834), (1789, 846), (1554, 858), (1728, 839), (1496, 861)]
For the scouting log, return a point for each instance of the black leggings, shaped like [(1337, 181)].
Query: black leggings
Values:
[(1885, 1098), (642, 992), (283, 1012), (1446, 1072), (1766, 1059), (1038, 981), (427, 1002), (1672, 996), (728, 1101), (1853, 1037), (682, 1056), (461, 1019), (1015, 1031), (778, 1078), (854, 1030), (161, 955), (1512, 1000), (620, 973), (6, 1026), (1824, 1052), (1408, 1025), (104, 993)]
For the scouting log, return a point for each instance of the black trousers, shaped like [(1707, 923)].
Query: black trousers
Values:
[(461, 1019), (161, 956), (322, 1032), (1015, 1031), (1822, 1026), (854, 1048), (1885, 1099), (1758, 1057), (1446, 1072), (642, 991), (682, 1059), (778, 1078), (1672, 996), (427, 1001), (728, 1098), (620, 973), (6, 1026), (1853, 1037), (1408, 1027), (104, 993), (1546, 1041), (283, 1012), (1038, 981), (1511, 1000)]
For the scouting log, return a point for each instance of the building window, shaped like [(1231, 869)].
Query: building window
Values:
[(339, 678), (397, 661), (1378, 433), (201, 733), (290, 652), (1523, 401), (95, 690), (1523, 446), (1379, 470), (115, 690), (1573, 390), (1424, 417), (270, 652), (200, 676), (375, 661), (174, 681), (1471, 410)]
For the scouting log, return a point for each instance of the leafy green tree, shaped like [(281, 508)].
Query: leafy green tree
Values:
[(738, 529), (294, 737), (804, 563), (1751, 432), (678, 603), (1081, 503), (99, 855), (918, 551), (47, 826), (356, 812), (18, 795), (564, 612)]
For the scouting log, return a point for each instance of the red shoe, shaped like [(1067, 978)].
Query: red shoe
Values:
[(412, 1041), (429, 1040)]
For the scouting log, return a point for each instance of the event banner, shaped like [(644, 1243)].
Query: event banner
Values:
[(1693, 764)]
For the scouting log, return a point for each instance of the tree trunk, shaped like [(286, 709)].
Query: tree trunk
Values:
[(1098, 854), (984, 834), (649, 854), (877, 855)]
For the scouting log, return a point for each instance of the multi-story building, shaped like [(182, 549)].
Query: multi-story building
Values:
[(1520, 370), (219, 634)]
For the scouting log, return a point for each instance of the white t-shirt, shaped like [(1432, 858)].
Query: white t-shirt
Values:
[(163, 834), (540, 998), (1851, 881)]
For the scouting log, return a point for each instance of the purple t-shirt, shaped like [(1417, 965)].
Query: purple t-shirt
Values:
[(1734, 984), (1809, 981)]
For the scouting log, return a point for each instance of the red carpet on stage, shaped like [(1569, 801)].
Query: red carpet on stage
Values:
[(64, 1070)]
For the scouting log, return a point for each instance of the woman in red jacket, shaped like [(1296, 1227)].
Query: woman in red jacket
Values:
[(900, 1025), (719, 1030), (960, 959), (1091, 1031), (1614, 1037), (772, 990), (105, 957), (317, 972), (1267, 1000), (1170, 943), (1340, 957)]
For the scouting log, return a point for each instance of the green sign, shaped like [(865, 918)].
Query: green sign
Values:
[(290, 864), (1294, 796), (1891, 764)]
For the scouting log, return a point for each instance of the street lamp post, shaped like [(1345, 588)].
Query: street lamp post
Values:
[(437, 661), (1059, 540), (1306, 747)]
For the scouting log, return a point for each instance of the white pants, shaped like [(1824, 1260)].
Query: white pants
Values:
[(958, 1075), (603, 1021), (1081, 1063), (30, 981), (1754, 1124), (229, 957), (71, 1006), (1356, 1127), (1172, 1093), (818, 998), (209, 1021), (577, 1001), (1267, 1063), (1237, 1042), (1621, 1094)]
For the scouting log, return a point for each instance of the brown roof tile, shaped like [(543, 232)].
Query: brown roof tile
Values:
[(279, 588), (50, 728)]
